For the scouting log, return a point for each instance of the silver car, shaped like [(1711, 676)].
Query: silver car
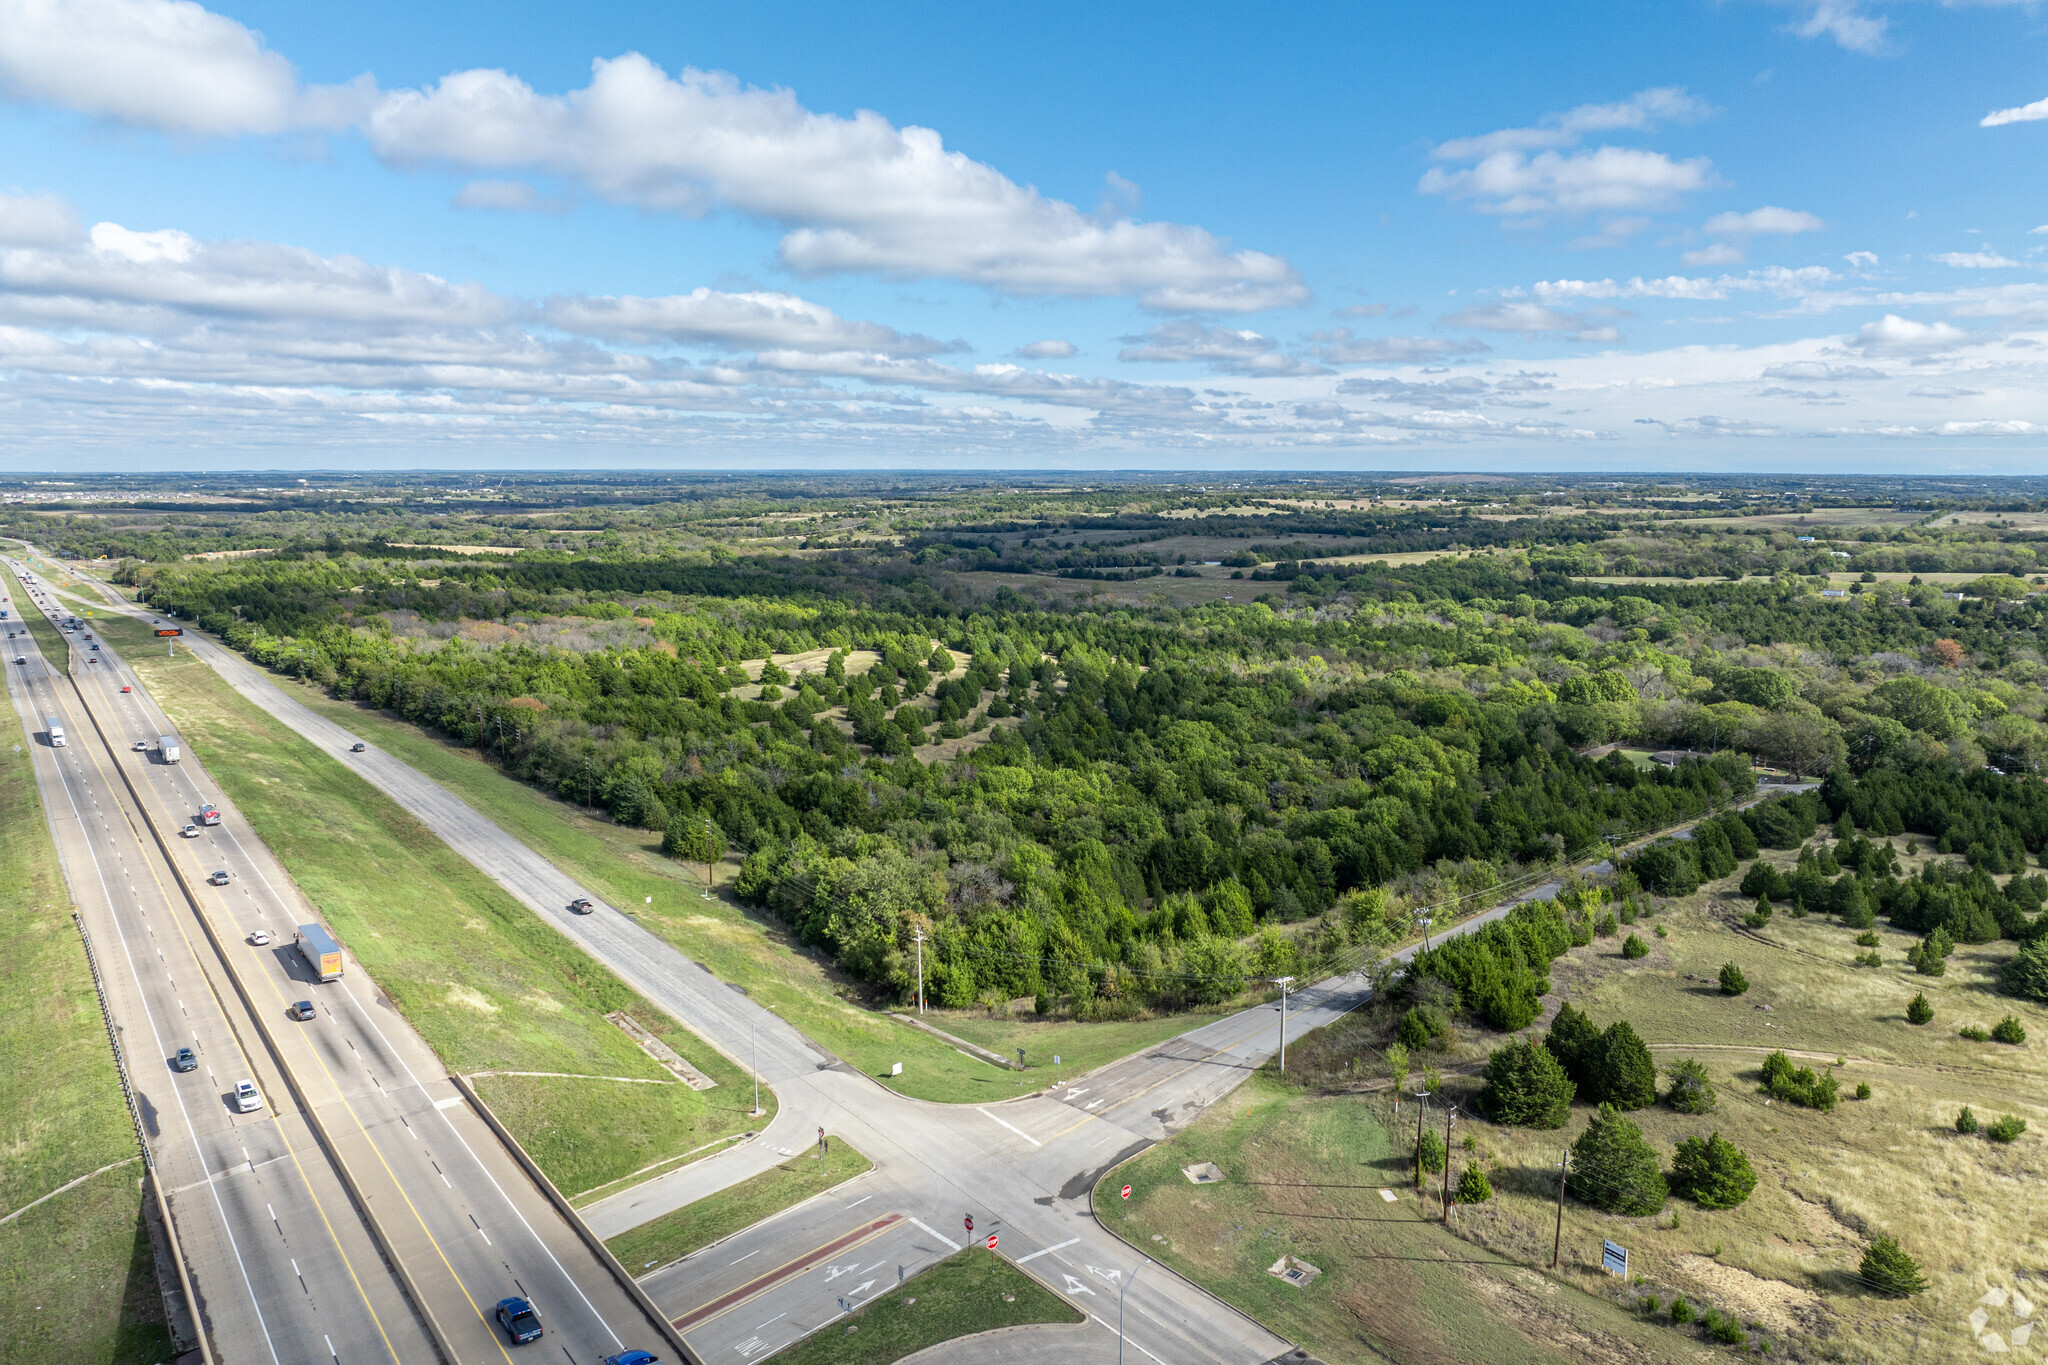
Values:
[(247, 1098)]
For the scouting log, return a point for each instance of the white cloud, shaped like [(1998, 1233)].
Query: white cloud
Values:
[(2019, 113), (1225, 350), (36, 220), (164, 64), (733, 322), (1862, 260), (1772, 279), (1525, 171), (857, 194), (1341, 348), (168, 244), (511, 196), (1768, 219), (1533, 320), (1048, 350), (1974, 260), (1846, 23), (1639, 112), (1819, 371), (1718, 253), (1894, 335), (1943, 391)]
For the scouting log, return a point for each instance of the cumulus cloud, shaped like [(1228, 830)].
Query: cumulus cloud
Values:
[(165, 64), (1047, 350), (1846, 23), (1716, 253), (1862, 260), (1819, 371), (1465, 391), (1340, 347), (36, 220), (1974, 260), (1894, 335), (1768, 219), (1533, 320), (733, 322), (2019, 113), (1225, 350), (1773, 279), (1531, 172)]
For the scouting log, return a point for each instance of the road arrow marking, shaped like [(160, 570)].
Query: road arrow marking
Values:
[(1074, 1286), (1111, 1275)]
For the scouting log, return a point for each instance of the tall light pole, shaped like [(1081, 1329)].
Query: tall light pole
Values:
[(757, 1063), (1283, 983), (1120, 1308)]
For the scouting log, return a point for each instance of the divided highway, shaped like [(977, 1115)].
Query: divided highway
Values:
[(286, 1267)]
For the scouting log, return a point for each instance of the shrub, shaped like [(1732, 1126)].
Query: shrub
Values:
[(1618, 1171), (2006, 1129), (1867, 960), (1575, 1041), (1866, 940), (1733, 982), (1723, 1327), (1966, 1120), (1625, 1075), (1975, 1034), (1712, 1172), (1633, 947), (2009, 1030), (1473, 1186), (1798, 1084), (2025, 973), (1918, 1011), (1661, 931), (1691, 1092), (1423, 1025), (1889, 1270), (1432, 1151), (1863, 1090), (1682, 1310), (1527, 1087), (1605, 927)]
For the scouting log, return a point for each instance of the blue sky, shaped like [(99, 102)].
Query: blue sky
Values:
[(1694, 236)]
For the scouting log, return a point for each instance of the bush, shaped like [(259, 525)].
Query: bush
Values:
[(1723, 1327), (1432, 1151), (1918, 1011), (1527, 1087), (1975, 1034), (1966, 1120), (1866, 940), (2009, 1030), (2007, 1129), (1733, 982), (1668, 867), (1618, 1171), (1682, 1310), (1712, 1172), (1473, 1186), (2025, 973), (1798, 1084), (1889, 1270), (1691, 1092), (1633, 947), (1863, 1090), (1625, 1075)]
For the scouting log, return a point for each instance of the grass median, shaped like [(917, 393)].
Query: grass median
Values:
[(77, 1281), (695, 1226), (488, 984), (970, 1291)]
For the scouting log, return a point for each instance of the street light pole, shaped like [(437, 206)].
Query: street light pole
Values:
[(757, 1063), (1120, 1309), (1283, 983)]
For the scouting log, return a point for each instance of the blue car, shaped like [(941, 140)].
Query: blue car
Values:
[(184, 1061), (633, 1358), (519, 1320)]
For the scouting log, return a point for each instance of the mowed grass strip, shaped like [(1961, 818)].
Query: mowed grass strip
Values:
[(625, 866), (76, 1277), (736, 1208), (487, 983), (970, 1291)]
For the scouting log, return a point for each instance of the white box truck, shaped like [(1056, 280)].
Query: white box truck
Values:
[(320, 950), (167, 745), (55, 729)]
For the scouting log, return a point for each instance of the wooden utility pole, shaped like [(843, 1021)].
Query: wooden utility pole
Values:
[(1420, 1105), (1449, 1110), (1557, 1241)]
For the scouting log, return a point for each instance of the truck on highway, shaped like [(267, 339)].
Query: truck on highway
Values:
[(320, 950), (55, 729), (209, 814), (167, 745)]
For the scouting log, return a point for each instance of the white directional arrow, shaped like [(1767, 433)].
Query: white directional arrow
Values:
[(860, 1288), (1074, 1286), (1075, 1094), (1111, 1275), (836, 1271)]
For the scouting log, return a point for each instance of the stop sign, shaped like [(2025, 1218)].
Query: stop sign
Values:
[(991, 1241), (1127, 1191)]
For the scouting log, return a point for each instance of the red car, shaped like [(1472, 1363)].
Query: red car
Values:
[(126, 688)]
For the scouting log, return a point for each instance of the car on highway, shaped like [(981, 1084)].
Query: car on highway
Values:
[(189, 832), (126, 688), (20, 659), (519, 1320), (217, 879), (357, 747), (95, 644), (633, 1358), (185, 1060), (581, 906), (247, 1098), (140, 746), (302, 1010), (259, 938)]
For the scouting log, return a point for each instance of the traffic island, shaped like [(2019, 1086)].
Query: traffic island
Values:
[(968, 1293)]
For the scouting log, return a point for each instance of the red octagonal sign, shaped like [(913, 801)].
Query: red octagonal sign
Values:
[(1127, 1191), (991, 1241)]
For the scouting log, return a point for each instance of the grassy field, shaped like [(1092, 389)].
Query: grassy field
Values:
[(695, 1226), (1303, 1175), (76, 1278), (1785, 1260), (970, 1291), (489, 985), (625, 866)]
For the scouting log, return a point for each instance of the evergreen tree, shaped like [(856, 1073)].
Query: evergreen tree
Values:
[(1918, 1011), (1691, 1092), (2025, 973), (1889, 1270), (1473, 1186), (1615, 1169), (1575, 1041), (1713, 1172), (1526, 1087), (1625, 1076), (1733, 982)]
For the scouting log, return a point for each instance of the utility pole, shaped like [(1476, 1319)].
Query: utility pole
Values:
[(1283, 983), (1449, 1111), (1557, 1241), (919, 937), (1420, 1097), (1424, 921)]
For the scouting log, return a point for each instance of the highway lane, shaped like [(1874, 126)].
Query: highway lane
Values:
[(283, 1268), (466, 1221)]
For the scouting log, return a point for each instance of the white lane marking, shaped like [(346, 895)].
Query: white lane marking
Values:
[(448, 1103), (936, 1233), (772, 1321), (858, 1202), (1011, 1126), (1141, 1350), (1056, 1246), (1074, 1286), (755, 1252)]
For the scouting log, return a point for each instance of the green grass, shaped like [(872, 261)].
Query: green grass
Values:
[(25, 611), (488, 984), (625, 866), (76, 1279), (695, 1226), (970, 1291), (1303, 1176)]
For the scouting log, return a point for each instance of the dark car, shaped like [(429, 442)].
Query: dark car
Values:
[(581, 905), (357, 747), (633, 1358), (185, 1060), (302, 1010), (519, 1320)]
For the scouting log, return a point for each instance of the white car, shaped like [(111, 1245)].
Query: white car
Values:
[(140, 746), (189, 832), (259, 938), (247, 1099)]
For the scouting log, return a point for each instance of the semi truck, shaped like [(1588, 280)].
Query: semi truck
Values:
[(320, 950), (209, 814), (167, 745), (55, 729)]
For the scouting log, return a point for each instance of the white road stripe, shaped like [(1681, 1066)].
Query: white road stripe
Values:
[(1057, 1246), (936, 1233), (1011, 1126)]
